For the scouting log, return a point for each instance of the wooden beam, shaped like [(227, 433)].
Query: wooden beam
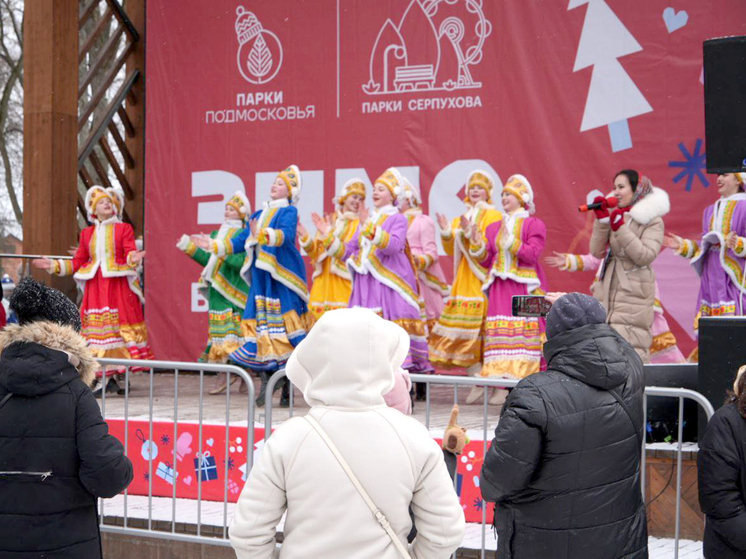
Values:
[(106, 51), (135, 173), (104, 87), (128, 192), (114, 107), (87, 13), (129, 128), (100, 171), (50, 104), (94, 35), (125, 19), (129, 161)]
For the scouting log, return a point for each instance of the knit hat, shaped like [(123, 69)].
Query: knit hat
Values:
[(352, 186), (33, 301), (483, 180), (291, 177), (240, 203), (411, 193), (574, 310), (519, 187), (392, 179)]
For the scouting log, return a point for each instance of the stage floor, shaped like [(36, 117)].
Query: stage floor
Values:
[(214, 408)]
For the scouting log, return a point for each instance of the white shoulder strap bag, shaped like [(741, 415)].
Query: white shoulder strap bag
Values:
[(382, 520)]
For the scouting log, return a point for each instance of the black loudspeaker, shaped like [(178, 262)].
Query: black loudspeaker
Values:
[(722, 350), (725, 104), (663, 413)]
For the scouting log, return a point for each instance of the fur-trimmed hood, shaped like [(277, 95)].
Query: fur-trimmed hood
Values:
[(73, 347), (655, 204)]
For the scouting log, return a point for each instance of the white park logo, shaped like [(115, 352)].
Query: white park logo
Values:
[(434, 47), (259, 55)]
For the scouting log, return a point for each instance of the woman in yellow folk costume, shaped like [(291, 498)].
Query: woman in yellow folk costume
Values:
[(456, 340), (332, 283)]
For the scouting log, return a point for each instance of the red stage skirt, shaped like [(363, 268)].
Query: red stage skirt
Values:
[(113, 321)]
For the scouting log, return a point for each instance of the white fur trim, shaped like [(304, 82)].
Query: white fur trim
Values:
[(246, 209), (271, 236), (183, 243), (655, 204), (377, 236)]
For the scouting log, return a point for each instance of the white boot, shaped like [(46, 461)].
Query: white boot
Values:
[(476, 392), (499, 396)]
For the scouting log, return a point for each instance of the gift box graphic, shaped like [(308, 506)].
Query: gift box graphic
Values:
[(205, 466), (166, 472)]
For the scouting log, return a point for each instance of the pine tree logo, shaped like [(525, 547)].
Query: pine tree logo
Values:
[(259, 55), (613, 98)]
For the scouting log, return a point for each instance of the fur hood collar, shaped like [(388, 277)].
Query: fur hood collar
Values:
[(57, 337), (655, 204)]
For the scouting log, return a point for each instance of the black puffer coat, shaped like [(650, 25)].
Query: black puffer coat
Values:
[(56, 455), (721, 467), (564, 467)]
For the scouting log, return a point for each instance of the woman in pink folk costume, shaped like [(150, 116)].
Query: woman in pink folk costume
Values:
[(422, 242), (511, 250), (424, 248)]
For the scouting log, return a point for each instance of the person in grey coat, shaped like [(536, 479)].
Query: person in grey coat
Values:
[(564, 467)]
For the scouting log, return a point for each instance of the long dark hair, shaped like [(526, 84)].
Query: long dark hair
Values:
[(739, 396), (632, 176)]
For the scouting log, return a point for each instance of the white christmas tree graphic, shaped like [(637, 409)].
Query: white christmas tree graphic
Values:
[(613, 97)]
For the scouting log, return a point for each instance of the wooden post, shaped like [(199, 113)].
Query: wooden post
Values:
[(136, 112), (50, 123)]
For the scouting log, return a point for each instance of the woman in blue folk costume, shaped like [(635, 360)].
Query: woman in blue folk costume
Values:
[(276, 317)]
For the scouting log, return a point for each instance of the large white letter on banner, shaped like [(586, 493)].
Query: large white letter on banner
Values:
[(214, 183)]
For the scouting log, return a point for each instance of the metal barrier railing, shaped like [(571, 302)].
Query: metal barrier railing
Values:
[(681, 394), (488, 423), (149, 368), (456, 381)]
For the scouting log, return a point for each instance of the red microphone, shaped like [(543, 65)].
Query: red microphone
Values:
[(611, 202)]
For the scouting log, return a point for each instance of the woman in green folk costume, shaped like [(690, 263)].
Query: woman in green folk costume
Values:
[(224, 289)]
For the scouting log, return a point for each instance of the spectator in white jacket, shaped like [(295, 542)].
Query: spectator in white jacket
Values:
[(344, 367)]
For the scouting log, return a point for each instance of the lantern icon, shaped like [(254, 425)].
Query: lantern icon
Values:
[(259, 55)]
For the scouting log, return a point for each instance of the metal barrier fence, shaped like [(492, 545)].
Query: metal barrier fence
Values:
[(680, 393), (177, 368), (221, 538)]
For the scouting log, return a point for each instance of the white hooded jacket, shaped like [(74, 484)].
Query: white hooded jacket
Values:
[(343, 367)]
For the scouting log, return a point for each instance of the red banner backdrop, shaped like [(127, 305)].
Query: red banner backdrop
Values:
[(564, 92)]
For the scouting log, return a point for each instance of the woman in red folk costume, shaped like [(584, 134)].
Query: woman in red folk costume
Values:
[(105, 268)]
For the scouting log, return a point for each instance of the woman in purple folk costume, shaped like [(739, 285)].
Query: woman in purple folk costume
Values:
[(720, 256), (383, 274)]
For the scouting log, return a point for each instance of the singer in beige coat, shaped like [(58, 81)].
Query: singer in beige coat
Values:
[(627, 286), (344, 367)]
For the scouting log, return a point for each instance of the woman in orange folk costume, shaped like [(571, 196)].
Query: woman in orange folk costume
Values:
[(332, 282), (105, 268), (456, 340)]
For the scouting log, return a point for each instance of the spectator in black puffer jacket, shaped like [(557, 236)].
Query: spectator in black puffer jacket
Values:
[(56, 455), (721, 466), (564, 467)]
